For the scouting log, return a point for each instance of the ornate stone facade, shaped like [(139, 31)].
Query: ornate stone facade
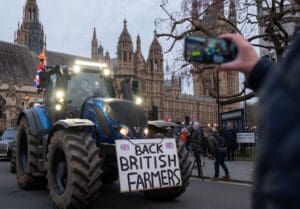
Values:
[(31, 32), (162, 99)]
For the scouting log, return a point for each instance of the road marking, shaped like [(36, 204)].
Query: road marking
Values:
[(224, 182)]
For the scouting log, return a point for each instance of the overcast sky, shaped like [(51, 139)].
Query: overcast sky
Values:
[(69, 24)]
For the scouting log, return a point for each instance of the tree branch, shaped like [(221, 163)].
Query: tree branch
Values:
[(238, 99)]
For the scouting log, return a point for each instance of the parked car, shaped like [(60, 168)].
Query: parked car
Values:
[(6, 141)]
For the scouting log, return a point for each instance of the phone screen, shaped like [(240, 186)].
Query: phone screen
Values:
[(209, 50)]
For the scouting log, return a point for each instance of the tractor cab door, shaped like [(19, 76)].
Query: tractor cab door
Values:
[(56, 83)]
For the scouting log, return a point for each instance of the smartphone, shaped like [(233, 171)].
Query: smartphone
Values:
[(207, 50)]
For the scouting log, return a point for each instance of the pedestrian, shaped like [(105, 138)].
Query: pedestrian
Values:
[(277, 173), (218, 150), (229, 135), (198, 145), (184, 134)]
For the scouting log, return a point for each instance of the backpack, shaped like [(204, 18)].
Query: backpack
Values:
[(221, 141)]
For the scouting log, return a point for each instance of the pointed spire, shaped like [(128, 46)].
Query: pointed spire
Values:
[(94, 36), (232, 12), (155, 34), (107, 58), (138, 43), (45, 44), (95, 52), (31, 11), (125, 23), (101, 50), (195, 10)]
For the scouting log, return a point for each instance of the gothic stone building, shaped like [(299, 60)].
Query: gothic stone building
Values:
[(162, 99)]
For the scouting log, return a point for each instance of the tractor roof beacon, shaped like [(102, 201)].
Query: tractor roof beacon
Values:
[(69, 140)]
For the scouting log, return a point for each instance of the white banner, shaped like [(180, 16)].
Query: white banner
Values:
[(147, 164), (245, 138)]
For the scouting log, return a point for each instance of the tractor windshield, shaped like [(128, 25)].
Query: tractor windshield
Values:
[(88, 85)]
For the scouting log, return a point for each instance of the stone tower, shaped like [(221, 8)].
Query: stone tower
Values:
[(125, 63), (155, 70), (31, 32), (232, 13), (95, 51), (139, 60)]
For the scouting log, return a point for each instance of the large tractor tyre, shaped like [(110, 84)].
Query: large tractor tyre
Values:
[(13, 158), (110, 170), (186, 167), (74, 169), (28, 175)]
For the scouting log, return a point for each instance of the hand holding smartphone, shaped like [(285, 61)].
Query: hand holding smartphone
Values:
[(206, 50)]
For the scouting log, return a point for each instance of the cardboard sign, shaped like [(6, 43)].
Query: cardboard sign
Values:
[(246, 138), (147, 164)]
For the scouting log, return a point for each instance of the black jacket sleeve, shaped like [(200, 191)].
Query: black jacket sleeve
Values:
[(259, 73)]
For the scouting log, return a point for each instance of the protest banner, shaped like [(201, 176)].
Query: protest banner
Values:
[(146, 164)]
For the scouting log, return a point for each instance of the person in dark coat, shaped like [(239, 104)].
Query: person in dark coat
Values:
[(277, 173), (230, 137), (198, 145), (218, 150)]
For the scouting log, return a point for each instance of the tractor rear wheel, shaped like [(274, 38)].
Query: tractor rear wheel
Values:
[(28, 175), (13, 158), (186, 167), (74, 169)]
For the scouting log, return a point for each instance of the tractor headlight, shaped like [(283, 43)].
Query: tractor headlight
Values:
[(58, 107), (124, 131), (106, 72), (138, 100), (60, 95), (146, 131), (76, 69)]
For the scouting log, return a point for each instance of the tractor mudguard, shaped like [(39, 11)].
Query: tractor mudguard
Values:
[(68, 123), (38, 120)]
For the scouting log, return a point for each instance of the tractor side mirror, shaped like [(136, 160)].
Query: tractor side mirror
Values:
[(135, 87), (44, 79)]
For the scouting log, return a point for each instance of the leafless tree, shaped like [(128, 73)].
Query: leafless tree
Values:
[(262, 22)]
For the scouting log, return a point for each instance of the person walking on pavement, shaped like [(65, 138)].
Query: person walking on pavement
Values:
[(218, 150), (198, 145), (230, 137)]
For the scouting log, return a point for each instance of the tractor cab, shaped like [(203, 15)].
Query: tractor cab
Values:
[(67, 89)]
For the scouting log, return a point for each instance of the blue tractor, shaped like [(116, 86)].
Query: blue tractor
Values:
[(68, 143)]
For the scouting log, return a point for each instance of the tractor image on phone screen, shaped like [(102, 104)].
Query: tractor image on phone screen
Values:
[(208, 50)]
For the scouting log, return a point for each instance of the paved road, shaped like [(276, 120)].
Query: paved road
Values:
[(200, 194)]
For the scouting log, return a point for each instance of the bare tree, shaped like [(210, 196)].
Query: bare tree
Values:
[(263, 22)]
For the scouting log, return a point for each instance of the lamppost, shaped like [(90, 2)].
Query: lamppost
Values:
[(218, 100)]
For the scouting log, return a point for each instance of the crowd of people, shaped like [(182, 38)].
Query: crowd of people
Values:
[(204, 141)]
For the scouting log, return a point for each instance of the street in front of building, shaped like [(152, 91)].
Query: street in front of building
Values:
[(200, 194)]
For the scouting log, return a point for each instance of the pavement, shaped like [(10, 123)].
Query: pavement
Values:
[(240, 171)]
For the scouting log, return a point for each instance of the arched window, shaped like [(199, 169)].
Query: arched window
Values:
[(30, 15), (125, 56), (155, 65)]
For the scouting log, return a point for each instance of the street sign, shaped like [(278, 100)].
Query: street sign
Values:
[(147, 164), (245, 138)]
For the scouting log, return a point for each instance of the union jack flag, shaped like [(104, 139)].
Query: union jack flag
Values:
[(169, 145), (124, 147)]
